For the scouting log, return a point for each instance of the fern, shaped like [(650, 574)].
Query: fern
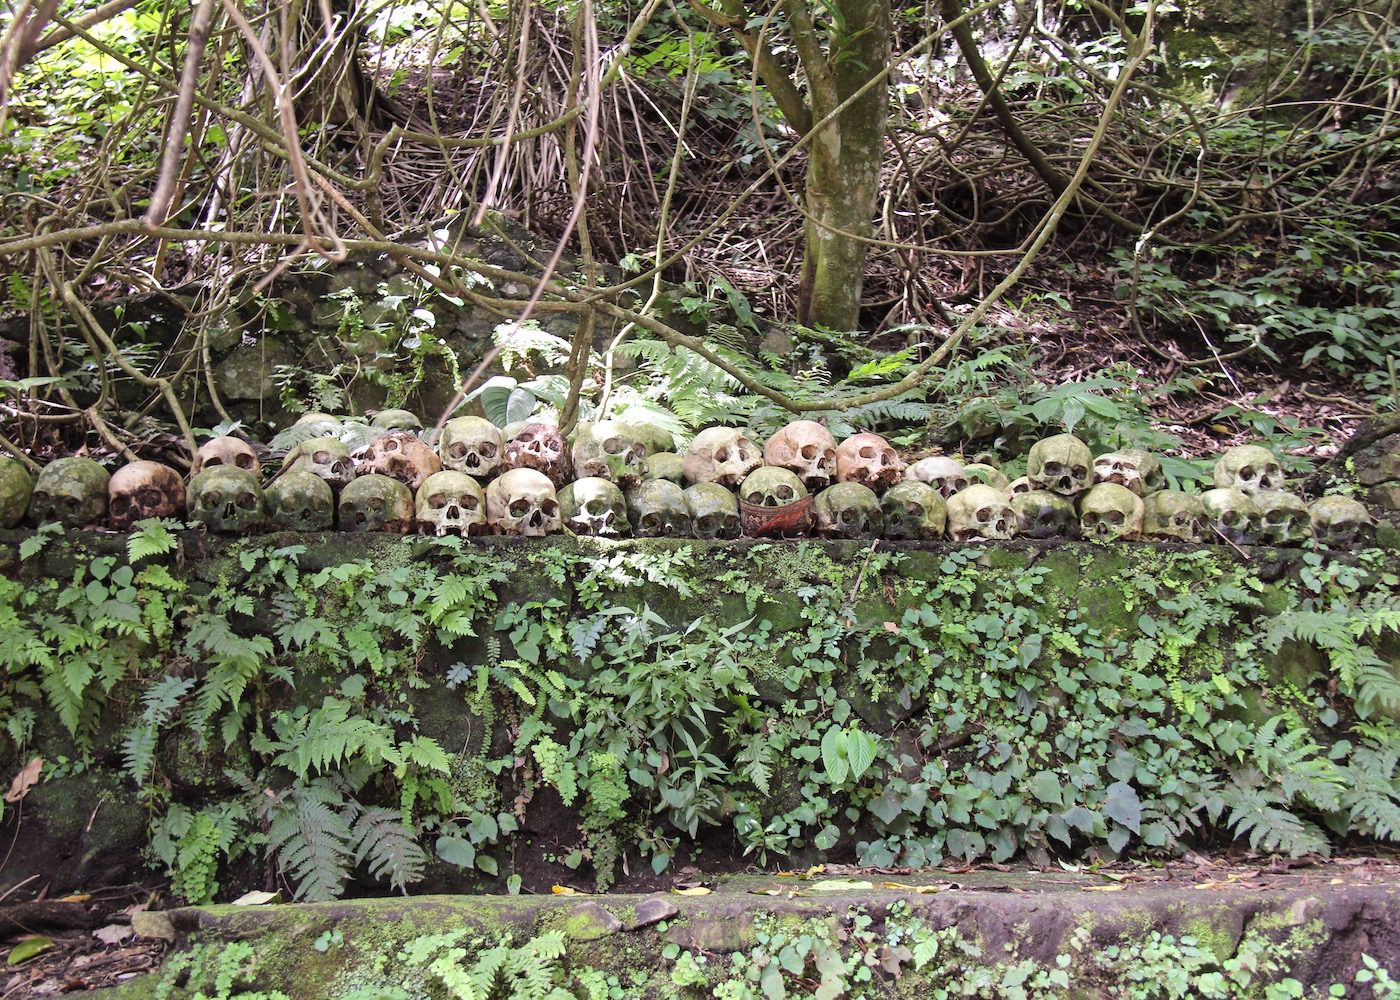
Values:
[(310, 834), (327, 738), (1254, 813), (152, 537), (158, 706), (389, 849), (1371, 801), (235, 662)]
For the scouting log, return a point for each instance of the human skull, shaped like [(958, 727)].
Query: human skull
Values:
[(472, 445), (654, 439), (665, 465), (770, 487), (946, 475), (988, 475), (714, 512), (376, 502), (1138, 470), (980, 512), (594, 506), (806, 448), (325, 457), (141, 490), (869, 460), (721, 455), (1230, 514), (1284, 518), (399, 455), (1061, 464), (225, 451), (397, 420), (849, 510), (914, 511), (1248, 467), (71, 491), (226, 499), (16, 486), (1019, 486), (451, 503), (540, 447), (318, 423), (609, 450), (522, 502), (300, 500), (657, 509), (1042, 514), (1340, 522), (1109, 512), (1170, 515)]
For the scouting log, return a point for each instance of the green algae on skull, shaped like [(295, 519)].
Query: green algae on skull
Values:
[(299, 500), (376, 503), (1249, 468), (914, 511), (988, 475), (657, 508), (1062, 464), (226, 499), (1340, 522), (325, 457), (1170, 515), (714, 512), (849, 510), (1283, 518), (16, 487), (1109, 511), (665, 465), (609, 450), (71, 492), (1042, 514), (397, 420)]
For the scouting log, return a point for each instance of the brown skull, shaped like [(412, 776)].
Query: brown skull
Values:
[(225, 451), (806, 448), (540, 447), (399, 455), (141, 490), (869, 460)]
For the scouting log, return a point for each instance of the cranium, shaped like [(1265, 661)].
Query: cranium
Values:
[(451, 503), (657, 509), (141, 490), (721, 455), (318, 423), (610, 451), (1138, 470), (1108, 512), (714, 512), (1340, 522), (375, 502), (324, 457), (1248, 467), (226, 499), (914, 511), (15, 489), (849, 510), (1170, 515), (397, 420), (1019, 486), (399, 455), (1061, 464), (806, 448), (594, 506), (1230, 514), (472, 445), (869, 460), (522, 502), (665, 465), (540, 447), (947, 475), (300, 500), (71, 491), (1042, 514), (1284, 518), (988, 475), (654, 439), (225, 451), (980, 512)]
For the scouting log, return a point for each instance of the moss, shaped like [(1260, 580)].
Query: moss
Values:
[(1218, 932)]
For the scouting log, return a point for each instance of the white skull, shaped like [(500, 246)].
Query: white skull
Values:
[(1250, 468), (522, 502), (472, 445), (869, 460), (225, 451), (594, 506), (399, 455), (1061, 464), (980, 512), (326, 457), (1110, 511), (946, 475), (1134, 468), (141, 490), (806, 448), (451, 503), (721, 455)]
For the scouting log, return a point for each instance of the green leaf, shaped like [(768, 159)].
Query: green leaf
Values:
[(834, 756), (28, 948), (861, 748), (1046, 787), (456, 851), (1124, 806)]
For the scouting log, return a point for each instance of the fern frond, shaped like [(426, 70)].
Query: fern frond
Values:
[(381, 841), (310, 837), (1269, 828)]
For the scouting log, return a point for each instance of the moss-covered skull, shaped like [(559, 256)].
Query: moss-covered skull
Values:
[(609, 450), (770, 487), (849, 510), (657, 509), (870, 460), (980, 512), (654, 439), (1042, 514), (450, 503), (400, 455), (665, 465), (914, 511), (988, 475), (299, 500), (16, 487), (523, 502), (397, 420), (1108, 512), (1138, 470), (1170, 515), (723, 455), (594, 506), (540, 447), (319, 424), (472, 445), (714, 511), (1341, 523), (141, 490), (1019, 486), (1283, 518), (946, 475), (376, 502), (1248, 467), (71, 491), (225, 451), (324, 457), (1230, 514), (806, 448), (226, 499), (1061, 464)]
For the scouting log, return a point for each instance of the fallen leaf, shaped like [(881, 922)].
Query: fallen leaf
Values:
[(892, 628), (28, 948), (765, 892), (27, 778), (79, 897), (258, 898), (113, 933), (839, 885), (694, 890), (564, 890), (1104, 888)]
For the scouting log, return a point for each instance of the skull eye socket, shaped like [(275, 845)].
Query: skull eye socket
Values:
[(784, 492), (549, 507), (808, 451), (212, 461), (1115, 517), (457, 449), (866, 452), (322, 457), (1179, 519), (1247, 472), (487, 449), (887, 458), (1078, 472), (519, 507), (244, 462), (612, 445), (246, 500), (983, 514), (148, 496), (1276, 516), (214, 498), (1231, 518), (437, 501), (913, 509), (756, 498), (722, 454), (1052, 468)]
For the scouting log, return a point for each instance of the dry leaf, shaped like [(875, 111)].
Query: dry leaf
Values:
[(694, 890), (113, 933), (27, 778), (839, 885), (81, 897), (892, 628), (564, 890), (258, 898), (1104, 888)]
